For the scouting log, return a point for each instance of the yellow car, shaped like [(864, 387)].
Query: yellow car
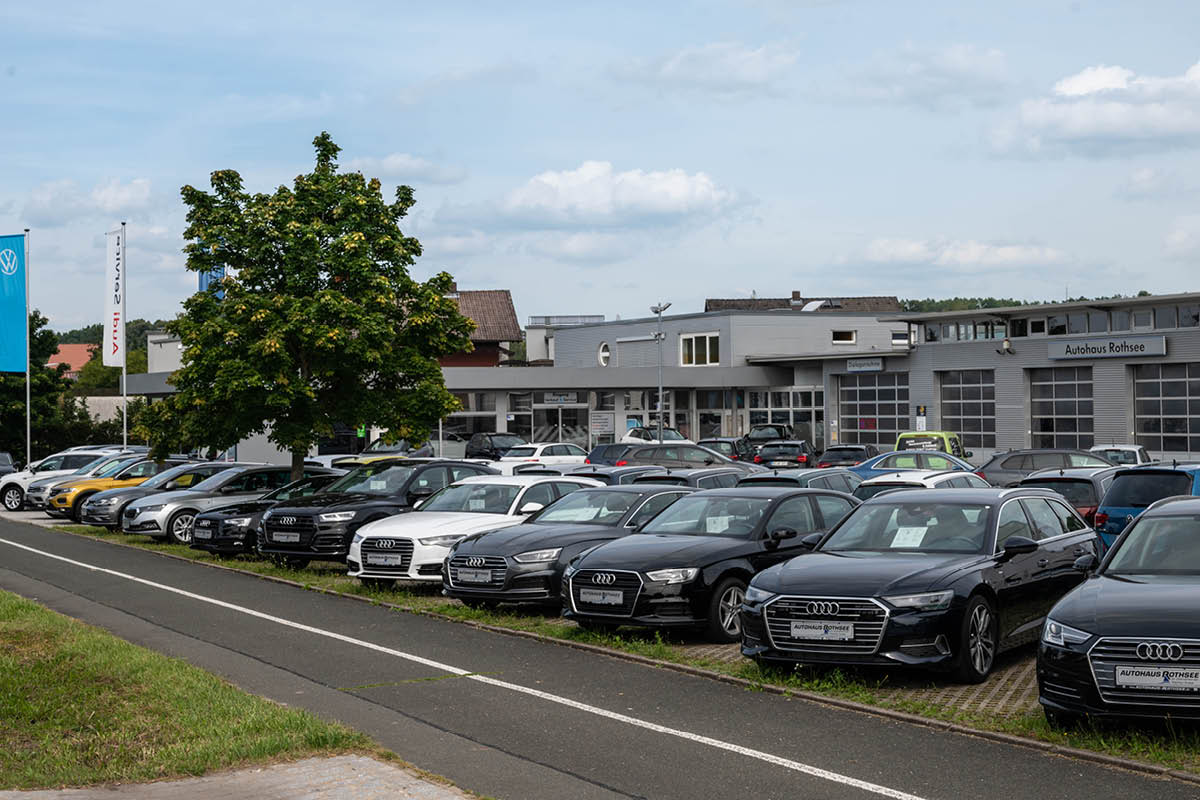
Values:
[(67, 498)]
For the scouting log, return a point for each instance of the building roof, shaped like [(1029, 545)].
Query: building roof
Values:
[(882, 304), (73, 355), (1050, 308), (492, 311)]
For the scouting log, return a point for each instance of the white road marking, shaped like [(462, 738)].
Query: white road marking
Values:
[(787, 763)]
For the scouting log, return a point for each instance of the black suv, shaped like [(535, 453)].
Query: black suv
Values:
[(846, 455), (787, 454), (686, 456), (492, 445), (733, 447), (321, 526), (761, 434), (1009, 468)]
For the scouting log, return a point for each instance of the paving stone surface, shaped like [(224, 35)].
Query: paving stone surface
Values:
[(357, 777)]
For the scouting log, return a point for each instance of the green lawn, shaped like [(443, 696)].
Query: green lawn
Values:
[(79, 706)]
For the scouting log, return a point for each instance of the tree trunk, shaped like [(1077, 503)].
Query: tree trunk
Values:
[(298, 457)]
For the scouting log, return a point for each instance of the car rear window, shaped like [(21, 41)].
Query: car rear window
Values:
[(1079, 493), (780, 451), (768, 433), (1141, 489), (1119, 456), (844, 452), (521, 452), (866, 492), (919, 443)]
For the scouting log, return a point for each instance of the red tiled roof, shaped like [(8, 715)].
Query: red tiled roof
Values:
[(493, 312), (73, 355)]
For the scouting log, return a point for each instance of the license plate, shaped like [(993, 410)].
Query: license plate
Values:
[(782, 463), (823, 631), (283, 536), (475, 575), (604, 597), (1167, 679), (385, 560), (200, 533)]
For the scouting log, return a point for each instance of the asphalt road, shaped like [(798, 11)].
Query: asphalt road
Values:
[(513, 718)]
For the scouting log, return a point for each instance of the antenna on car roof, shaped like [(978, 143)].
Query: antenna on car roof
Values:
[(1061, 472)]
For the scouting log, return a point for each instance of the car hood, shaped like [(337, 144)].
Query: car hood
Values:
[(1141, 605), (434, 522), (94, 483), (128, 493), (240, 509), (161, 498), (646, 551), (522, 538), (862, 574)]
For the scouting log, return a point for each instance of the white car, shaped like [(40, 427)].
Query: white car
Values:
[(1127, 455), (920, 479), (13, 485), (648, 434), (413, 546), (547, 453)]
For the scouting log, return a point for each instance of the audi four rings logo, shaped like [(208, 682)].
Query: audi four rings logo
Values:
[(1159, 651), (287, 520), (385, 544), (822, 608), (604, 579), (475, 561)]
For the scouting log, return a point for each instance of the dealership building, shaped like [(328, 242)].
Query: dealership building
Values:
[(856, 370)]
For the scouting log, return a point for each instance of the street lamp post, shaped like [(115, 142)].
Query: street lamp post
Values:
[(659, 309)]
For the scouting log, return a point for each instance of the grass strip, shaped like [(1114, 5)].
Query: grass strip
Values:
[(1172, 745)]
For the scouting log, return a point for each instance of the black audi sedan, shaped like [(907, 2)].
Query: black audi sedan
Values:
[(524, 563), (1126, 642), (936, 578), (320, 527), (232, 529), (690, 565)]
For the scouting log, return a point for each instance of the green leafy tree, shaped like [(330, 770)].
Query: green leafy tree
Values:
[(319, 322), (96, 379)]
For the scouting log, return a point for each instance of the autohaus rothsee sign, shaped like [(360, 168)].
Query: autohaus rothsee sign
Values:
[(1108, 347)]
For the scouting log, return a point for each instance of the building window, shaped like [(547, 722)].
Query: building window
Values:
[(932, 333), (603, 354), (1037, 327), (1061, 407), (1167, 407), (1077, 323), (873, 407), (1164, 317), (899, 338), (969, 405), (801, 407), (845, 337), (1141, 319), (1189, 316), (1018, 328), (949, 332), (1097, 322), (700, 349), (1120, 321), (1057, 325)]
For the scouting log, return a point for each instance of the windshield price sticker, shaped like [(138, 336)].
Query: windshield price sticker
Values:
[(476, 505), (716, 524), (908, 537), (1167, 679), (378, 486)]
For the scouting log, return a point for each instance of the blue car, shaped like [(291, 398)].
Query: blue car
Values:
[(1135, 488), (908, 459)]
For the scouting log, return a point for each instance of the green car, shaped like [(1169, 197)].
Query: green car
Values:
[(941, 441)]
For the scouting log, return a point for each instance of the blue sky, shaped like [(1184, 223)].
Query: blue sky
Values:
[(597, 158)]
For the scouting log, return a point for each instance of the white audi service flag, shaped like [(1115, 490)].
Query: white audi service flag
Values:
[(113, 345)]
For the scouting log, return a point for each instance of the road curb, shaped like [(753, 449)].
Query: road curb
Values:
[(850, 705)]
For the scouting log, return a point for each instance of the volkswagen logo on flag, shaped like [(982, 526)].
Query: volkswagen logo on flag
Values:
[(8, 262), (604, 579), (475, 561), (287, 520), (821, 608), (385, 544), (1159, 651)]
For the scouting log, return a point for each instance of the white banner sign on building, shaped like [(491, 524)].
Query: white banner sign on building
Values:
[(113, 344)]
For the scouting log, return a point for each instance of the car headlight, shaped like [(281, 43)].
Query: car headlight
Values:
[(757, 595), (1062, 635), (150, 509), (674, 575), (103, 501), (337, 516), (537, 556), (62, 490), (442, 541), (238, 522), (926, 601)]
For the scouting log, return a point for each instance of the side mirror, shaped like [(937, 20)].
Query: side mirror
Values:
[(1018, 546), (418, 494), (171, 485), (778, 535), (530, 508), (1087, 563), (811, 541), (708, 461)]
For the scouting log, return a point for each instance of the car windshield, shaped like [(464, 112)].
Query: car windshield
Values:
[(590, 508), (381, 479), (503, 441), (1079, 493), (380, 446), (6, 459), (1118, 455), (167, 475), (476, 498), (865, 491), (768, 432), (214, 482), (116, 466), (95, 466), (788, 451), (1140, 489), (919, 527), (521, 452), (714, 515), (1159, 546), (301, 488)]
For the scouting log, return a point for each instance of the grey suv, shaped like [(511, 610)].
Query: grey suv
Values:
[(1009, 469)]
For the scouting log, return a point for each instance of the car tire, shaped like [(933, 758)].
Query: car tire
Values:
[(591, 626), (1061, 720), (77, 508), (977, 641), (724, 621), (179, 527), (379, 583), (13, 497)]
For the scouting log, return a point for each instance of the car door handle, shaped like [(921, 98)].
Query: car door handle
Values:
[(1013, 579), (1043, 562), (1081, 551)]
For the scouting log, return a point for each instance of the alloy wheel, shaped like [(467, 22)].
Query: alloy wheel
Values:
[(731, 602), (980, 642), (12, 499), (181, 528)]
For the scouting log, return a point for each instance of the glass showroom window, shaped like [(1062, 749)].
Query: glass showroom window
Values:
[(969, 405), (873, 407), (802, 407), (1167, 407), (700, 349), (1061, 403)]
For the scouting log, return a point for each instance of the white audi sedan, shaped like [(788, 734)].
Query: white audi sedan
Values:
[(413, 546)]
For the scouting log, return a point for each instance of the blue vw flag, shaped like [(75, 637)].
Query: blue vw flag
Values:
[(14, 314)]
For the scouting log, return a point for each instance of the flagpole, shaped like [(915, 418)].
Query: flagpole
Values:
[(28, 413), (124, 344)]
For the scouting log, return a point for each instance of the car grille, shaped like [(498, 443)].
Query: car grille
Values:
[(1107, 654), (305, 526), (399, 547), (496, 564), (628, 583), (868, 617)]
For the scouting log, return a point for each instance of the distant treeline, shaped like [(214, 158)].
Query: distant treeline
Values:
[(968, 303)]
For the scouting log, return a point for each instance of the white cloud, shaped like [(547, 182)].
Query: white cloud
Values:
[(719, 67), (586, 247), (1150, 183), (408, 167), (965, 254), (456, 245), (1107, 110), (954, 76), (57, 202), (1183, 240)]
